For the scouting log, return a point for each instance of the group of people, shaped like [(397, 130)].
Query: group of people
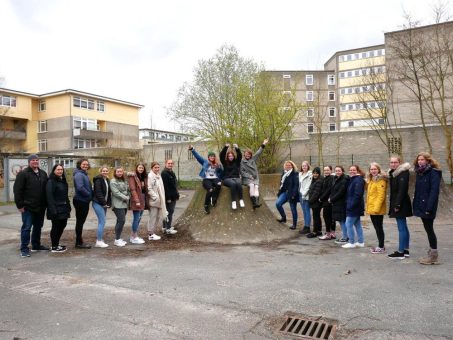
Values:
[(341, 199), (35, 193)]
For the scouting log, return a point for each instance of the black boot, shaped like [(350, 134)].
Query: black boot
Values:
[(253, 199), (257, 201), (206, 209)]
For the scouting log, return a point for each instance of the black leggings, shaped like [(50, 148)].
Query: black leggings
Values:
[(378, 221), (428, 223), (81, 209), (235, 186), (327, 216), (212, 190), (57, 230), (120, 214), (317, 224)]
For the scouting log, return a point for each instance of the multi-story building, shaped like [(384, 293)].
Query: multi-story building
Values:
[(66, 121), (151, 136)]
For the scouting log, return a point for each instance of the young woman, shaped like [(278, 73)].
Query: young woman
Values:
[(249, 173), (83, 194), (315, 204), (138, 186), (338, 200), (211, 172), (288, 192), (120, 202), (326, 205), (157, 208), (400, 204), (305, 177), (375, 203), (231, 173), (426, 198), (58, 206), (355, 207), (102, 200)]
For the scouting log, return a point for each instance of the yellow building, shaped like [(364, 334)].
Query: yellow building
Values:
[(66, 121)]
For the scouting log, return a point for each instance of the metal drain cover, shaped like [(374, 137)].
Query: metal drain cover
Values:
[(309, 327)]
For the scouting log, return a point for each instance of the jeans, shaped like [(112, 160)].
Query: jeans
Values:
[(378, 221), (81, 210), (57, 230), (306, 212), (137, 214), (282, 199), (404, 236), (212, 190), (344, 231), (31, 219), (170, 209), (352, 221), (100, 213), (120, 214), (235, 186)]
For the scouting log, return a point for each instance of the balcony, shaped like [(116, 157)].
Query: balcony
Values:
[(17, 134), (92, 134)]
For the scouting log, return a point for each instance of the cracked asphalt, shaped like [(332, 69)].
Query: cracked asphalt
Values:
[(225, 292)]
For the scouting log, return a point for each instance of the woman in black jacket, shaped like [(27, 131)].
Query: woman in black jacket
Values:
[(288, 192), (231, 173), (58, 206), (102, 200), (326, 205), (338, 200), (314, 193)]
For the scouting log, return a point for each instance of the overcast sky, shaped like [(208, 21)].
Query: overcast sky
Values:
[(143, 51)]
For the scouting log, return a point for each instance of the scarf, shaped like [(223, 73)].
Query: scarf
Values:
[(285, 175), (421, 169)]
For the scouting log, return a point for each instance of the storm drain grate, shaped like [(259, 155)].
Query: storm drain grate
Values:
[(309, 328)]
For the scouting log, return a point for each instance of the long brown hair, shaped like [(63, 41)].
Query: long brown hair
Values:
[(429, 159), (359, 171)]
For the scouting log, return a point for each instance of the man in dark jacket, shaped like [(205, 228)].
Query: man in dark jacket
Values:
[(171, 195), (30, 198)]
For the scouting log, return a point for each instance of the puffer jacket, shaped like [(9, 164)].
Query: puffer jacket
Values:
[(120, 193), (399, 196), (83, 191), (376, 195), (58, 206), (315, 192), (426, 196)]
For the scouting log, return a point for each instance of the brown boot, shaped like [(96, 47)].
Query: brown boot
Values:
[(432, 257)]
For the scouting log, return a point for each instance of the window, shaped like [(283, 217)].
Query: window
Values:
[(7, 100), (86, 143), (332, 111), (42, 126), (309, 96), (310, 112), (381, 121), (331, 79), (85, 103), (351, 123), (100, 106), (331, 95), (168, 154), (309, 79), (342, 74), (286, 82), (42, 106), (310, 127), (90, 104), (332, 127), (42, 145), (86, 124), (394, 145)]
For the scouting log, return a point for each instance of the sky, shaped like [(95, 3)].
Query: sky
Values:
[(142, 51)]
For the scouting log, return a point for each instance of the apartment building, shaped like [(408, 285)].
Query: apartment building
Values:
[(151, 136), (66, 121)]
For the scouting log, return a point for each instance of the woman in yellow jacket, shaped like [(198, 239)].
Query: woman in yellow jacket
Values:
[(375, 203)]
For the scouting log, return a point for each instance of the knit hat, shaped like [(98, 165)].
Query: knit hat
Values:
[(317, 170), (31, 157), (211, 153)]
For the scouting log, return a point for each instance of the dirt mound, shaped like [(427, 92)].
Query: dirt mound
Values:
[(226, 226)]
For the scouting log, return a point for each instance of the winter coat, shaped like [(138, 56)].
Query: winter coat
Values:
[(205, 166), (325, 190), (83, 191), (304, 184), (399, 197), (376, 196), (315, 192), (249, 168), (355, 205), (170, 184), (233, 169), (157, 194), (290, 187), (138, 193), (30, 190), (100, 189), (426, 196), (120, 193), (58, 206), (338, 197)]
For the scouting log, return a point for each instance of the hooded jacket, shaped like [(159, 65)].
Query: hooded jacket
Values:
[(426, 195), (399, 196), (82, 186), (100, 191), (354, 196), (376, 195), (58, 206), (338, 197)]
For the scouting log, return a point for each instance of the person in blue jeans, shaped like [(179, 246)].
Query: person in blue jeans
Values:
[(400, 204), (30, 198), (102, 200), (288, 192), (305, 178), (355, 207)]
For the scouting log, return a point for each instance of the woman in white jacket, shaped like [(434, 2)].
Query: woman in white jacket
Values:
[(157, 209), (305, 177)]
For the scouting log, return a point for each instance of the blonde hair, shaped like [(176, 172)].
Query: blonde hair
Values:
[(294, 166), (369, 175), (103, 167), (429, 159)]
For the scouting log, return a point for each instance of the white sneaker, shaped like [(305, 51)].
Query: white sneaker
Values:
[(360, 245), (137, 240), (171, 231), (101, 244), (119, 243), (153, 237), (233, 205), (241, 203), (348, 245)]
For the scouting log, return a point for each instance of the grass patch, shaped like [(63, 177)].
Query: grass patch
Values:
[(188, 185)]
